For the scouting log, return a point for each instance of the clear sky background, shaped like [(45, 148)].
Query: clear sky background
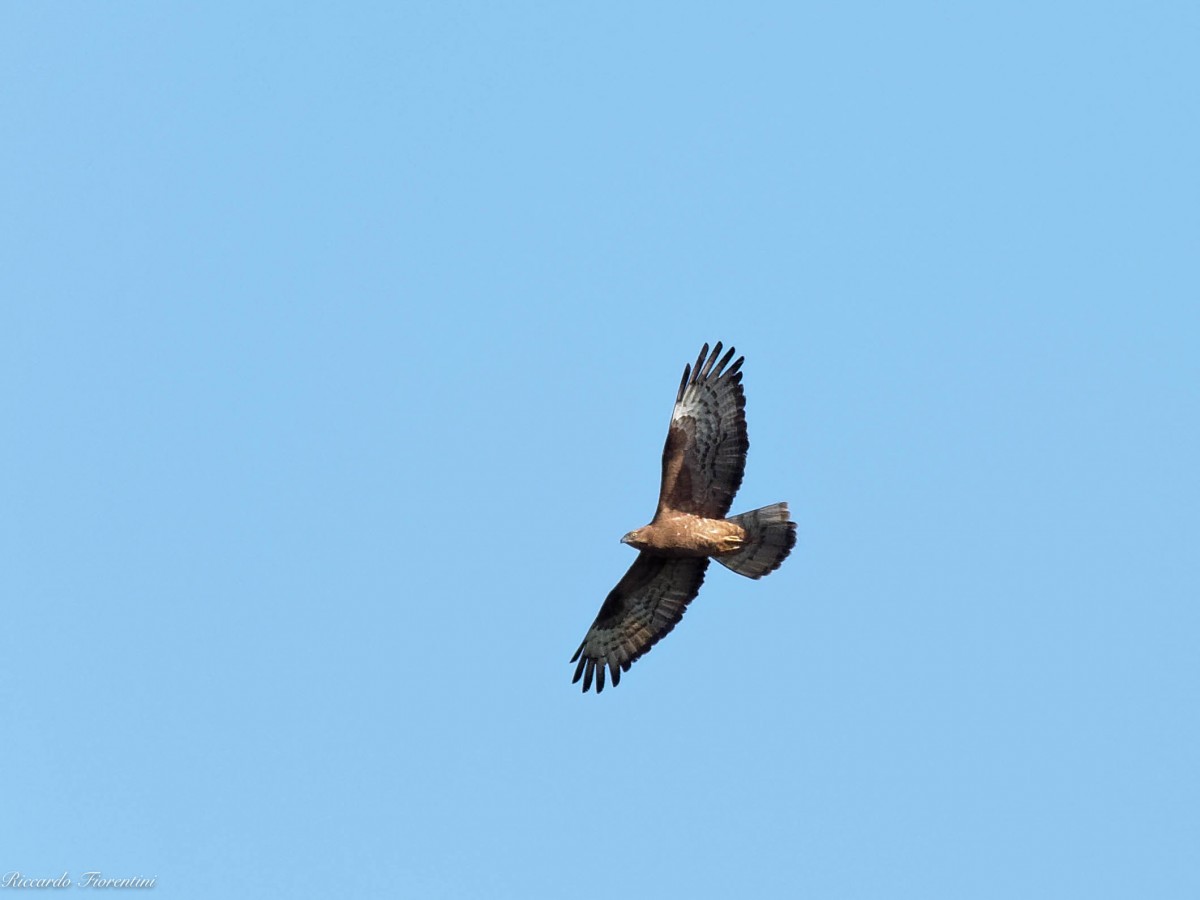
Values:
[(338, 344)]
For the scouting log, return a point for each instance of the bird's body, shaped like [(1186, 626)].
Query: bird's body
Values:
[(702, 466), (683, 534)]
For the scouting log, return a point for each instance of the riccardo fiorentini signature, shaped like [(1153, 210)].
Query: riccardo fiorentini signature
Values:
[(93, 879)]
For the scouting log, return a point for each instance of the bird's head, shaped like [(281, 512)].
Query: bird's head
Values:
[(635, 539)]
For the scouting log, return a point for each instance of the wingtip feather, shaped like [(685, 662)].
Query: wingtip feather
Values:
[(687, 373), (699, 363), (724, 362), (710, 362), (588, 671)]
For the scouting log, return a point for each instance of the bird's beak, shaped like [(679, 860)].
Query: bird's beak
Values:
[(625, 540)]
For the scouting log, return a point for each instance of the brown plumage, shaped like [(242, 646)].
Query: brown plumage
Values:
[(702, 467)]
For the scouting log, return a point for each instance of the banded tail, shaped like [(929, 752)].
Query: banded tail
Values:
[(770, 537)]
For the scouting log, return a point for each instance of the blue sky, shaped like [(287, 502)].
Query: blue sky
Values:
[(339, 343)]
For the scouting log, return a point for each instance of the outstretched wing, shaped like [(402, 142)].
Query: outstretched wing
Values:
[(644, 606), (705, 454)]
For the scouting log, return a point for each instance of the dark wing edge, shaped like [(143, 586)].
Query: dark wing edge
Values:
[(644, 607), (704, 458), (704, 368)]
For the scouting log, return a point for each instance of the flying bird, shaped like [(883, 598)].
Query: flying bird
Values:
[(702, 467)]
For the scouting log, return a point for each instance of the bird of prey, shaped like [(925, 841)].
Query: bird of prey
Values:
[(702, 469)]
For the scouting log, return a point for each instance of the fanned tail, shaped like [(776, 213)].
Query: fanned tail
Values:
[(770, 536)]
